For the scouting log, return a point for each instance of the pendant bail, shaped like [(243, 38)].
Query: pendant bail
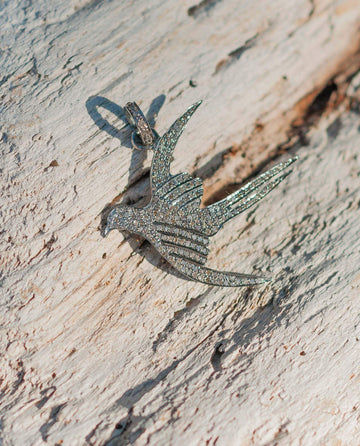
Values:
[(144, 136)]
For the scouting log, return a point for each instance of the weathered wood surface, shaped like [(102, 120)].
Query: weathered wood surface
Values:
[(100, 342)]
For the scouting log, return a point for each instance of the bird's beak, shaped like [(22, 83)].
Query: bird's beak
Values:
[(106, 231)]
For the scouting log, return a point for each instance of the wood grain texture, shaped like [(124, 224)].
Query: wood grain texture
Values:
[(101, 342)]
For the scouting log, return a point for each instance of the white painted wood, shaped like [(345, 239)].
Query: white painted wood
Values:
[(100, 342)]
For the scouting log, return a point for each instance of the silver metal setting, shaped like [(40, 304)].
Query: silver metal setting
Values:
[(173, 220), (143, 132)]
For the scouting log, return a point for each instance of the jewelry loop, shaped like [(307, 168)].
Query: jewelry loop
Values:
[(144, 136), (137, 142)]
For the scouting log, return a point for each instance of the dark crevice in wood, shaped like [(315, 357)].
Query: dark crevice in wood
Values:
[(88, 5), (334, 128), (320, 103), (203, 6), (213, 165), (312, 10), (217, 356), (236, 54)]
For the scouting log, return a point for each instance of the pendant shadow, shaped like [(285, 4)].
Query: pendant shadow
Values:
[(94, 103)]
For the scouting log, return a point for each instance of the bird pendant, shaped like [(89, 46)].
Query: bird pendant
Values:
[(173, 221)]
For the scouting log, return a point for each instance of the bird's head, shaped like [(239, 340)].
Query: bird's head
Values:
[(122, 218)]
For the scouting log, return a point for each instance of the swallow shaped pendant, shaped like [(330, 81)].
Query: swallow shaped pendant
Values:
[(173, 221)]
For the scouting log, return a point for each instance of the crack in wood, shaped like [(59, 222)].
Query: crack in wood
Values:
[(203, 6), (87, 5), (208, 169), (217, 355), (236, 54)]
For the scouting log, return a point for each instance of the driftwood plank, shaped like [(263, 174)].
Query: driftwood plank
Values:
[(101, 342)]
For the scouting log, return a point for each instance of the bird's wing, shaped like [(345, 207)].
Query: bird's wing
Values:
[(247, 196), (164, 148), (187, 252), (176, 201), (178, 241), (213, 277), (184, 244), (186, 249), (176, 210), (181, 193)]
